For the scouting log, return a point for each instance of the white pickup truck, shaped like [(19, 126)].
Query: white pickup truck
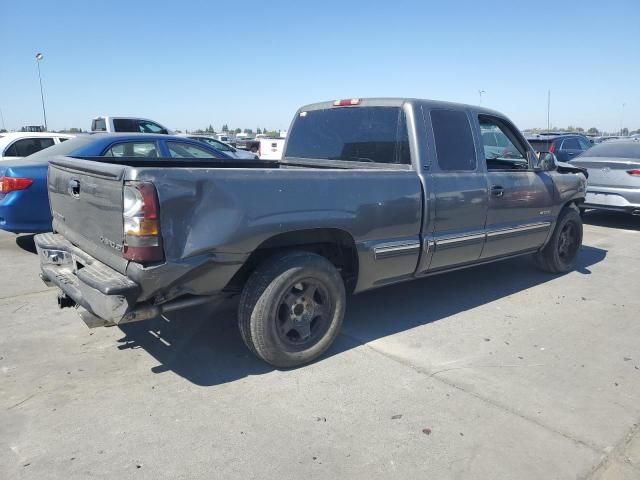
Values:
[(127, 124)]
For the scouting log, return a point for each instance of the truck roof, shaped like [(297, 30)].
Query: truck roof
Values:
[(398, 102)]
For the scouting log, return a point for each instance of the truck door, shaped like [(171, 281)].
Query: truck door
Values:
[(520, 198), (458, 193)]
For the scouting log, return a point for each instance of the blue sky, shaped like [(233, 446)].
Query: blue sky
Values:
[(252, 64)]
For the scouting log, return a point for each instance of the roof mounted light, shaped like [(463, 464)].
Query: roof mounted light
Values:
[(347, 102)]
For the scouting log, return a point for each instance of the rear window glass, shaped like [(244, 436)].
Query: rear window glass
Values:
[(454, 141), (356, 134), (614, 149), (540, 145), (99, 125)]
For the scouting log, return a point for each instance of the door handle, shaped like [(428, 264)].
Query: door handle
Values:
[(497, 191)]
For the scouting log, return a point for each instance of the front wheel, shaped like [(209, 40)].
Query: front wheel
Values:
[(561, 253), (291, 308)]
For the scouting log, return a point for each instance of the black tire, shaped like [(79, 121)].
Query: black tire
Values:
[(291, 308), (561, 253)]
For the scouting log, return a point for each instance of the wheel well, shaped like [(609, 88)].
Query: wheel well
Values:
[(335, 245)]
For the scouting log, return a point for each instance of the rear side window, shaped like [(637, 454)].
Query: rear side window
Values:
[(454, 141), (540, 145), (216, 144), (584, 143), (125, 125), (355, 134), (571, 144), (186, 150), (133, 149), (27, 146)]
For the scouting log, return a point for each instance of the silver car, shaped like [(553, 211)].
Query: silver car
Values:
[(614, 176), (223, 147)]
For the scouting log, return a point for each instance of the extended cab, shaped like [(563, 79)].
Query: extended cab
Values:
[(369, 192), (127, 125)]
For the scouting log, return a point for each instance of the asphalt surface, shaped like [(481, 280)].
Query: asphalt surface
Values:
[(497, 372)]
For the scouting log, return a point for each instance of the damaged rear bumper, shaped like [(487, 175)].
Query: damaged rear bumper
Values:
[(109, 297)]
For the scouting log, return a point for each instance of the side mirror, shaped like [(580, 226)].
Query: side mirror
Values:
[(547, 161)]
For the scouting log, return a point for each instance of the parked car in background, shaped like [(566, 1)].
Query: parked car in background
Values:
[(607, 138), (223, 147), (249, 144), (565, 146), (614, 176), (271, 148), (24, 204), (127, 125), (369, 192), (16, 145)]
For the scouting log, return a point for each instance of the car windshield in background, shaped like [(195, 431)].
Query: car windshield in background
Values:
[(616, 149), (357, 134)]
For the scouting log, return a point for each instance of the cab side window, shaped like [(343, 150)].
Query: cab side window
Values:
[(502, 149), (453, 140)]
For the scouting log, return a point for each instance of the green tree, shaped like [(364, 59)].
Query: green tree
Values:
[(258, 131), (248, 131), (593, 131), (624, 132), (237, 130), (225, 128), (4, 130)]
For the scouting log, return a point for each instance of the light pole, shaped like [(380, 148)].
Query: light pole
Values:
[(39, 57), (480, 92), (622, 118), (2, 117)]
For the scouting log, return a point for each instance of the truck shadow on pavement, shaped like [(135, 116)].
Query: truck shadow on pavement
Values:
[(203, 344), (601, 218)]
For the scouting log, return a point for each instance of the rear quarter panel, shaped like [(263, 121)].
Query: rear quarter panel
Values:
[(235, 210), (26, 211)]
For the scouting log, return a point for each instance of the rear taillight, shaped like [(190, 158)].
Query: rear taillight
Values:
[(142, 239), (634, 173), (10, 184), (347, 102), (552, 147)]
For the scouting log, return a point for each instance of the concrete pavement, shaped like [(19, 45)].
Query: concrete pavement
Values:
[(497, 372)]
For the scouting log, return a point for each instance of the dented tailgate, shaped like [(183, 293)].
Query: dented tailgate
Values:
[(86, 205)]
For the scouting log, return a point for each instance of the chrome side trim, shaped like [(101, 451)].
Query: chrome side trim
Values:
[(395, 249), (459, 239), (522, 228)]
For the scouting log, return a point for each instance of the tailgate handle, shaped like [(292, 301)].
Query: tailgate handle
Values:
[(74, 188)]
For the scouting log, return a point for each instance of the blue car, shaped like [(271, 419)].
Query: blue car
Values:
[(24, 200)]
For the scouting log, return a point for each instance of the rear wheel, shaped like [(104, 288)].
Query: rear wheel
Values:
[(561, 253), (291, 308)]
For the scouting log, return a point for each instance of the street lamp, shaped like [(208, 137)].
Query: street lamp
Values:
[(39, 57), (480, 92), (622, 118)]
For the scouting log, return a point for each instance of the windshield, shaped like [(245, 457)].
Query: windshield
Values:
[(357, 134), (614, 149)]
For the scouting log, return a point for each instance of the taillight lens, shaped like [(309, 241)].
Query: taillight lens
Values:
[(10, 184), (552, 147), (142, 239), (634, 173)]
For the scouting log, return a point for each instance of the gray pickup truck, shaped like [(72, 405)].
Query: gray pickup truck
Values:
[(369, 192)]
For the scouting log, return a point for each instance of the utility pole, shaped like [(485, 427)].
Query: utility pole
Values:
[(549, 110), (622, 118), (39, 57), (480, 92), (2, 117)]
